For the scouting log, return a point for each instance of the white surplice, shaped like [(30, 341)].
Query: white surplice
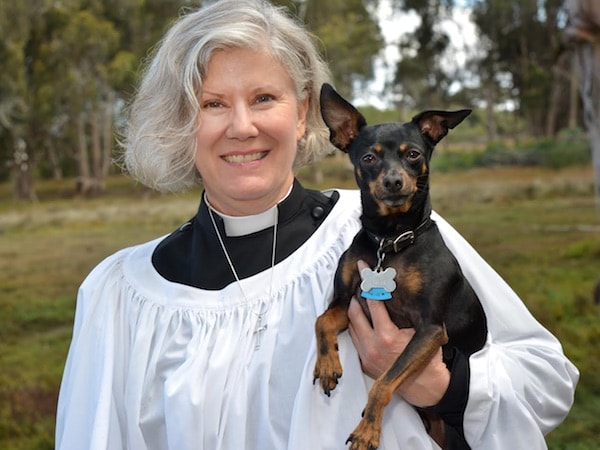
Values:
[(160, 365)]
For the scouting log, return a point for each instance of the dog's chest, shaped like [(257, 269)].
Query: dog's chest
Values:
[(407, 307)]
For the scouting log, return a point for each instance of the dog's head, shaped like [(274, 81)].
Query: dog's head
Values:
[(391, 160)]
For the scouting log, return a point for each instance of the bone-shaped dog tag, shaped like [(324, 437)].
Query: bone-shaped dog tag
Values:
[(378, 284)]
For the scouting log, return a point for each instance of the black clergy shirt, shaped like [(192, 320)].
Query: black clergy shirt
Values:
[(192, 255)]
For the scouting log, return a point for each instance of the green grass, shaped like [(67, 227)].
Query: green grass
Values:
[(539, 228)]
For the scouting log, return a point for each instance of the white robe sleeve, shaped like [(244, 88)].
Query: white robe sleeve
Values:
[(521, 383), (87, 417)]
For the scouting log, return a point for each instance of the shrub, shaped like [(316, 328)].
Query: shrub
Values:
[(569, 148)]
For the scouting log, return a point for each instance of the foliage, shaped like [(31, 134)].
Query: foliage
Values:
[(420, 78), (349, 34), (522, 59), (69, 67), (570, 148)]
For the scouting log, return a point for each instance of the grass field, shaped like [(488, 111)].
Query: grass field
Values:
[(539, 228)]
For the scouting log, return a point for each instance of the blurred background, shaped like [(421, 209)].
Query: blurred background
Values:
[(520, 179)]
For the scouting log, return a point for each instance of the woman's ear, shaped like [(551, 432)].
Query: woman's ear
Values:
[(302, 113)]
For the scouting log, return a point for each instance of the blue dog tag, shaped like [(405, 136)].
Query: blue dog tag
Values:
[(378, 284), (376, 294)]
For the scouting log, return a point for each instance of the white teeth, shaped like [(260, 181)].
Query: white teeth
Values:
[(244, 158)]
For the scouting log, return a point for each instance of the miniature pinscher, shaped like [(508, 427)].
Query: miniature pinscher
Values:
[(410, 266)]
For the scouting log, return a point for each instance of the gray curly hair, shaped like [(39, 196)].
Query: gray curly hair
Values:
[(159, 139)]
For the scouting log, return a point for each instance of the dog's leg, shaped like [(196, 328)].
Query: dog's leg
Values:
[(419, 351), (435, 428), (328, 368)]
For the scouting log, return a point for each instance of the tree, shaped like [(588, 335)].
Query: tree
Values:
[(66, 67), (350, 36), (583, 33), (70, 66), (86, 93), (420, 78), (16, 115), (523, 48)]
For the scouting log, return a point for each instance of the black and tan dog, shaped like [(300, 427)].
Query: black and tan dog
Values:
[(412, 266)]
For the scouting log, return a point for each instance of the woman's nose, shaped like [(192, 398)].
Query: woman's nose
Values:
[(241, 125)]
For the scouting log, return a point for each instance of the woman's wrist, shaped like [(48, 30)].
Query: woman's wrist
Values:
[(426, 388), (451, 407)]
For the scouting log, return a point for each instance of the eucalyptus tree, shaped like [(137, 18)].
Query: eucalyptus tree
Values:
[(84, 49), (16, 113), (583, 34), (420, 76), (349, 33), (68, 68), (523, 47)]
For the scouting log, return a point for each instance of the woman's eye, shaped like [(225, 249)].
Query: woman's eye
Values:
[(212, 104), (262, 98)]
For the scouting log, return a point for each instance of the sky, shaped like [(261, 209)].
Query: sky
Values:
[(393, 25)]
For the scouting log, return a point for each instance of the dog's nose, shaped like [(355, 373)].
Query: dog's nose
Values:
[(393, 181)]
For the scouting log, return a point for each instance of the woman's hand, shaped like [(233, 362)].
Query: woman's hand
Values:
[(380, 345)]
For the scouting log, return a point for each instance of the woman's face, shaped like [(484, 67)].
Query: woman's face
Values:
[(250, 122)]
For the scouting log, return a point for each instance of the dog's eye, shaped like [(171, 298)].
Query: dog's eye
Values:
[(413, 155), (368, 158)]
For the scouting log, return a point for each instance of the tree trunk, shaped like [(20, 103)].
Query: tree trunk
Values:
[(97, 179), (583, 32), (588, 61), (490, 103), (22, 172), (57, 173), (107, 134), (594, 136), (559, 74), (84, 182), (573, 98)]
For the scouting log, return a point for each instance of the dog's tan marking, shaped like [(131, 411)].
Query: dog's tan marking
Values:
[(377, 148), (412, 280), (348, 271), (374, 187), (403, 147), (377, 191), (410, 183), (385, 210)]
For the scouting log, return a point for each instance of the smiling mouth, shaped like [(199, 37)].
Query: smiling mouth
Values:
[(240, 159)]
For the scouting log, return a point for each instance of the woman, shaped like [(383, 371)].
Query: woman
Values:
[(204, 339)]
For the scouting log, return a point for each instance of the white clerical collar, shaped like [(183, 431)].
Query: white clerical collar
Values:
[(243, 225)]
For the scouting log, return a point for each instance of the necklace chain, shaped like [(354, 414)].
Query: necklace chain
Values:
[(260, 328)]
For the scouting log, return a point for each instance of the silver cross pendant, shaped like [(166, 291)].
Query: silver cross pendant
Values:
[(259, 330)]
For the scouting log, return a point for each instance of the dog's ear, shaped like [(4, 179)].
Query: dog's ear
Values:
[(435, 124), (343, 120)]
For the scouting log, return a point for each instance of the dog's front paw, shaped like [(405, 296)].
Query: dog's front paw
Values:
[(328, 370), (365, 436)]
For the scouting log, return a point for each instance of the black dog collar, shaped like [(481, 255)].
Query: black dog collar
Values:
[(400, 242)]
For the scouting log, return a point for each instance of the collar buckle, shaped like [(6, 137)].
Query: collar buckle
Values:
[(404, 240)]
